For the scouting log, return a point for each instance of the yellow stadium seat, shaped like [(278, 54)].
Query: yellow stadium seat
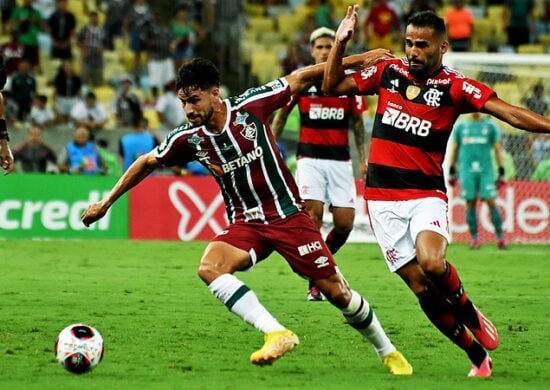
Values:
[(531, 49), (263, 64), (152, 118), (260, 24), (288, 26), (104, 94)]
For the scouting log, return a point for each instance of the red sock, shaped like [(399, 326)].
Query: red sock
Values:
[(441, 314), (335, 240)]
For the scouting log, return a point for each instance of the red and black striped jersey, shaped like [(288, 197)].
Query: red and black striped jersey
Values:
[(244, 159), (413, 122), (325, 123)]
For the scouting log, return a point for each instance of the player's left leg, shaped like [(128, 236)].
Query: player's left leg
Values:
[(496, 219), (471, 220)]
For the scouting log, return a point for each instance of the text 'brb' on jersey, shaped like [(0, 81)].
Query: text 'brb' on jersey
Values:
[(413, 122), (243, 158), (325, 123)]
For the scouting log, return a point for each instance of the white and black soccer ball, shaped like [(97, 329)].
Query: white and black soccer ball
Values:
[(79, 348)]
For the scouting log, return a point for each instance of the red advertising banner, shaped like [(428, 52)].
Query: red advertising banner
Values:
[(192, 208), (174, 208), (525, 209)]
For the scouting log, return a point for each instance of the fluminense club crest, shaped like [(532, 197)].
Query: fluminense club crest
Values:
[(249, 132)]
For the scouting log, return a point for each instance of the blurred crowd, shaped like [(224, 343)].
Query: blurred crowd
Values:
[(98, 65)]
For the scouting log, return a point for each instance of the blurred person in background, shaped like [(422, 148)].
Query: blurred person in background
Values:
[(518, 18), (29, 23), (168, 109), (33, 155), (135, 20), (157, 39), (67, 86), (136, 143), (12, 52), (91, 42), (41, 114), (115, 12), (62, 29), (382, 27), (6, 8), (89, 113), (186, 34), (81, 155), (460, 26), (127, 105), (23, 89)]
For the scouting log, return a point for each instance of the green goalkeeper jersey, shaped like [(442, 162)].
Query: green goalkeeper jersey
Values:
[(475, 140)]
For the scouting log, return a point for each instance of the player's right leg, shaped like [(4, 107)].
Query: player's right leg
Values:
[(360, 316)]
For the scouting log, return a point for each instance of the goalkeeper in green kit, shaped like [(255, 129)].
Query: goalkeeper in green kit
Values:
[(472, 141)]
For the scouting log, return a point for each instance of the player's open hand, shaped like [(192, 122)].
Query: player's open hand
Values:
[(347, 25), (93, 213)]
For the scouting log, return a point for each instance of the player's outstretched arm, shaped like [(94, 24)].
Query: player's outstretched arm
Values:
[(516, 116), (138, 171)]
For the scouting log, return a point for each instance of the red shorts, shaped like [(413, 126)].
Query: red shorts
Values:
[(296, 238)]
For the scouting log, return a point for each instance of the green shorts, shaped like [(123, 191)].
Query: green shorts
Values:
[(477, 185)]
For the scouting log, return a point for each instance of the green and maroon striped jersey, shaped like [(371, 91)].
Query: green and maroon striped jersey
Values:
[(244, 158)]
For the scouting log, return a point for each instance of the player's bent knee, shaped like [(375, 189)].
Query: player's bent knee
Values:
[(335, 289)]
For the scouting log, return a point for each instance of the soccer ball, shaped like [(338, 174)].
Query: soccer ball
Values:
[(79, 348)]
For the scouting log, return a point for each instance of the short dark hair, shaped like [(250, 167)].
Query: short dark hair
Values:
[(428, 19), (199, 73)]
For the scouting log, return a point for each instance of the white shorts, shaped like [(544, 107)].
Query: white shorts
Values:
[(396, 224), (329, 181)]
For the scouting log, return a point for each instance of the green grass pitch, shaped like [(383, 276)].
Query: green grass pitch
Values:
[(164, 330)]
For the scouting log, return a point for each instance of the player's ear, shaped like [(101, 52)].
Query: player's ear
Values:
[(215, 91), (444, 47)]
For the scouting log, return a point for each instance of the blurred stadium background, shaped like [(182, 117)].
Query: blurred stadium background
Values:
[(268, 30)]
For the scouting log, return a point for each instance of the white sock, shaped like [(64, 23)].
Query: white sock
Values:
[(242, 301), (361, 317)]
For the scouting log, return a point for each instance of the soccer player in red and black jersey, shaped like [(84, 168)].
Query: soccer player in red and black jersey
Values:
[(324, 171), (231, 138), (6, 156), (419, 100)]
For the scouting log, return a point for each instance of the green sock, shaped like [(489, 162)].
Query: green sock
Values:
[(471, 219), (497, 221)]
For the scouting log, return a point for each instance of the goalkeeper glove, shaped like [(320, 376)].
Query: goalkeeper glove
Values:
[(500, 179), (453, 178)]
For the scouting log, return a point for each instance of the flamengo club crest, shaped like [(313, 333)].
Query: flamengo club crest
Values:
[(412, 92)]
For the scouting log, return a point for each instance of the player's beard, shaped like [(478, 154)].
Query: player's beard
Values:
[(418, 72), (201, 119)]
